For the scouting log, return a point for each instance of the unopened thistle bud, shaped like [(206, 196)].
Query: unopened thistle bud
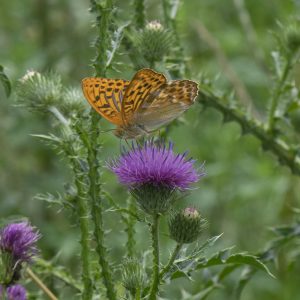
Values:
[(293, 37), (154, 41), (185, 226), (133, 277), (39, 92)]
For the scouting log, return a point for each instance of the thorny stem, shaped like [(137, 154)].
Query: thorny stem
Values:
[(41, 285), (82, 210), (155, 251), (139, 13), (93, 145), (83, 214), (285, 154), (171, 261), (277, 93), (170, 11), (130, 223), (96, 212), (138, 294)]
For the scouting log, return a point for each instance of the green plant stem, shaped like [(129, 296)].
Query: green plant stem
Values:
[(170, 11), (97, 212), (139, 17), (40, 284), (286, 156), (83, 215), (102, 43), (155, 249), (171, 261), (277, 93), (130, 223), (81, 206), (93, 145), (138, 294)]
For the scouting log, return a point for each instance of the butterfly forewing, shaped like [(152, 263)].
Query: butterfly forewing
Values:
[(144, 83), (106, 96), (166, 103)]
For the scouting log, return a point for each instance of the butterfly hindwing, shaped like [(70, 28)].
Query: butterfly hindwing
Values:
[(106, 96), (145, 82), (166, 104)]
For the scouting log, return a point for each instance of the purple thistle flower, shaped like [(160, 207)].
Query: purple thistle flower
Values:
[(19, 240), (157, 165), (16, 292)]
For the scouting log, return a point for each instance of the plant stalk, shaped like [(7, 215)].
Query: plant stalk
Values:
[(82, 212), (171, 261), (41, 285), (285, 154), (93, 145), (82, 209), (277, 94), (155, 249)]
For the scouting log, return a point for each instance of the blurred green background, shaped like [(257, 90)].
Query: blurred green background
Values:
[(245, 191)]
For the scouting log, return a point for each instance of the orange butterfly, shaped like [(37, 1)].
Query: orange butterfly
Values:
[(141, 105)]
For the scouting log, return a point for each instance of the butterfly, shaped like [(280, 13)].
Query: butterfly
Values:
[(141, 105)]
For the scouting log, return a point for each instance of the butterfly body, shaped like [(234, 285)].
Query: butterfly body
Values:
[(142, 105), (130, 131)]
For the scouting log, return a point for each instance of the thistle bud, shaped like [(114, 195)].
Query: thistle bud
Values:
[(186, 226), (293, 37), (39, 92), (133, 277), (154, 41)]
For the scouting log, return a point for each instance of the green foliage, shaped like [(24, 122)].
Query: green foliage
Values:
[(245, 192)]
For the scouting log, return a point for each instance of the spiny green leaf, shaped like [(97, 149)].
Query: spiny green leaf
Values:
[(5, 81), (115, 44), (222, 258)]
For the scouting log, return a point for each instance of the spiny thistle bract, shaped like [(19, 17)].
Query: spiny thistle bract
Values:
[(185, 226), (154, 41), (41, 92), (133, 275), (38, 92), (154, 173)]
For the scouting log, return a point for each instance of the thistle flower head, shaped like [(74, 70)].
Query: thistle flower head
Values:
[(157, 165), (16, 292), (154, 25), (153, 173), (19, 240)]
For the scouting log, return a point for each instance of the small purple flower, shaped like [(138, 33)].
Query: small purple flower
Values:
[(157, 165), (19, 239), (16, 292)]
